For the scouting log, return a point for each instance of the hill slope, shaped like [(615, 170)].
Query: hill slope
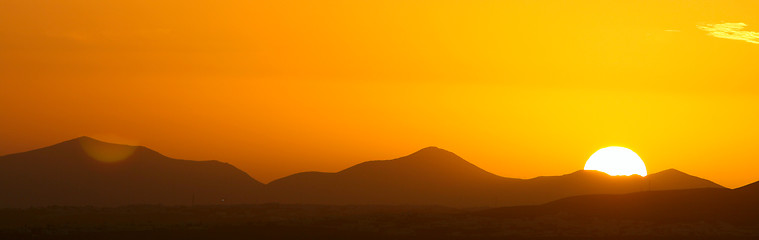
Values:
[(428, 176), (436, 176), (85, 171)]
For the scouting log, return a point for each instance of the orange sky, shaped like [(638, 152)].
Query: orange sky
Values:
[(519, 88)]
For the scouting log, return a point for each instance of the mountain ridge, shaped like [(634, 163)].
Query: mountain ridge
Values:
[(429, 176), (86, 171), (411, 183)]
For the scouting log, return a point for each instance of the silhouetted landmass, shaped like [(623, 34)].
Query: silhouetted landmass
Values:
[(674, 214), (85, 171), (431, 176), (389, 200), (78, 172), (439, 177)]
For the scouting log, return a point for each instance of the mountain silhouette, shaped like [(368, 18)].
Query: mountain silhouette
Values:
[(85, 171), (544, 189), (439, 177), (428, 176)]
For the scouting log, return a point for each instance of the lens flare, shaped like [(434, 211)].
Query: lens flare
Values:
[(106, 152)]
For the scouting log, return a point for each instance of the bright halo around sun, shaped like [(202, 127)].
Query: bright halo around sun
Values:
[(616, 161)]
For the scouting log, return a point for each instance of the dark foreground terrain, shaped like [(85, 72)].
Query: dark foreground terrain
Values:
[(572, 218)]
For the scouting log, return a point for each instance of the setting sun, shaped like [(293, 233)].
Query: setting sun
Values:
[(616, 161)]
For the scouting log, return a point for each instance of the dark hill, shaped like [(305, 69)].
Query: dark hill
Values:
[(431, 176), (436, 176), (544, 189), (85, 171)]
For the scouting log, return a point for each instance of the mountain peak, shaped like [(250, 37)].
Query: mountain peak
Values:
[(596, 174), (431, 150), (672, 178), (671, 171), (94, 140), (589, 172), (87, 171), (86, 148), (423, 158), (427, 163), (84, 138), (431, 156), (76, 141)]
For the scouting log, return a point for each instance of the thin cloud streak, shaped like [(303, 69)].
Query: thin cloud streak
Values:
[(731, 31)]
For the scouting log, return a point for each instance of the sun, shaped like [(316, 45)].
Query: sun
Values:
[(616, 161)]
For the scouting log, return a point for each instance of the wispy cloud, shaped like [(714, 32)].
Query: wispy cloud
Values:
[(731, 31)]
